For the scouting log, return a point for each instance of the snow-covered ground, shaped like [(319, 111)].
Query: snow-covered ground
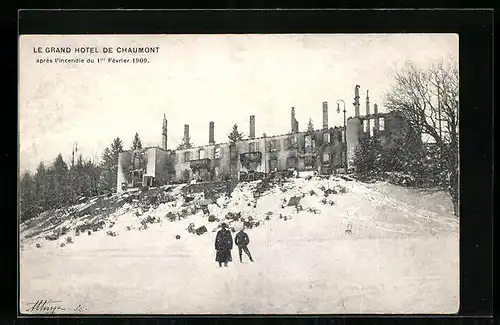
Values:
[(401, 257)]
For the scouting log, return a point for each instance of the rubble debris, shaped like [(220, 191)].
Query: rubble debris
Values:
[(342, 189), (331, 202), (269, 213), (149, 219), (294, 201), (348, 229), (177, 237), (330, 191), (128, 228), (267, 218), (89, 232), (211, 218), (298, 207), (324, 201), (313, 210), (52, 237), (201, 230), (62, 245), (172, 216), (69, 240), (38, 245), (111, 233), (191, 228), (311, 193)]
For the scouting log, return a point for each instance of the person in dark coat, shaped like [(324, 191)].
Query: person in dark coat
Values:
[(223, 245), (242, 240)]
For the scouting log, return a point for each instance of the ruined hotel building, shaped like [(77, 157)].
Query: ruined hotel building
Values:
[(323, 150)]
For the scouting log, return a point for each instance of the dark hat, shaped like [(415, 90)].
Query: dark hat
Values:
[(223, 225)]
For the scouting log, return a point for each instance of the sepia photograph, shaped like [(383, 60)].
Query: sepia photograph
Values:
[(241, 174)]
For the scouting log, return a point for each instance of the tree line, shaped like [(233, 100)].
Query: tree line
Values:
[(58, 184)]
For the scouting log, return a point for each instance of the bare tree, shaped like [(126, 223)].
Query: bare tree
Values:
[(429, 100)]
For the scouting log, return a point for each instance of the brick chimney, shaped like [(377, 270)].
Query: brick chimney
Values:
[(356, 101), (325, 115), (367, 103), (251, 134), (164, 133), (211, 138), (294, 122), (186, 134)]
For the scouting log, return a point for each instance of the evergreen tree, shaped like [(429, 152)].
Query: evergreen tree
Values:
[(310, 126), (185, 144), (235, 136), (109, 165), (59, 183), (41, 188), (366, 154), (27, 200), (136, 143), (91, 174), (77, 179)]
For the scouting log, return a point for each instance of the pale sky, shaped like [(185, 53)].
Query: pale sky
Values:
[(194, 79)]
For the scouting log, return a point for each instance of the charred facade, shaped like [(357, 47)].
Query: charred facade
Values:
[(324, 150)]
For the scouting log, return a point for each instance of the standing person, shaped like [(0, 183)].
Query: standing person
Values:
[(241, 240), (223, 245)]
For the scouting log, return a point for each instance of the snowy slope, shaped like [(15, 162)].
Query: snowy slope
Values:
[(401, 257)]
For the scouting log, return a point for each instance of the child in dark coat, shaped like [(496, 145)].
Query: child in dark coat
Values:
[(241, 240), (223, 245)]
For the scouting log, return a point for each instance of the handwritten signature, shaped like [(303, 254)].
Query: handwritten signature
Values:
[(49, 306)]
